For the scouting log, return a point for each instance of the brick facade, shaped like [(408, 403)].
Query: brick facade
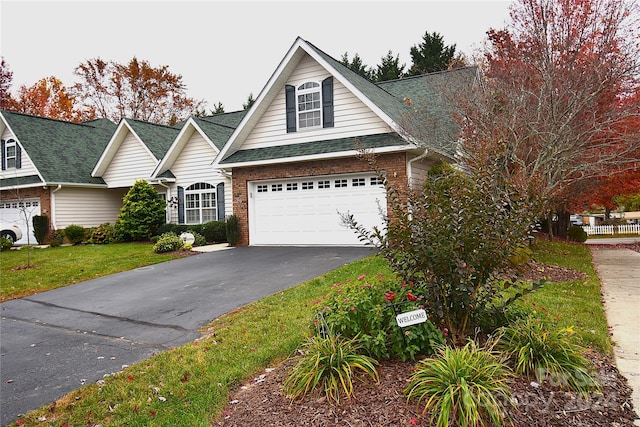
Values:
[(394, 165)]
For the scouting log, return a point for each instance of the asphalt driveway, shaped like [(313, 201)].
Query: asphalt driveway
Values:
[(54, 342)]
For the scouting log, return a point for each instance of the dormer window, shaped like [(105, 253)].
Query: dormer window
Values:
[(309, 105)]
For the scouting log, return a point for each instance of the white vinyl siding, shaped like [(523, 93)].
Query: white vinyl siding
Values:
[(419, 170), (193, 165), (351, 116), (27, 167), (131, 162), (88, 207)]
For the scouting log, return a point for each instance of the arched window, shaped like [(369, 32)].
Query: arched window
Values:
[(200, 203), (309, 105)]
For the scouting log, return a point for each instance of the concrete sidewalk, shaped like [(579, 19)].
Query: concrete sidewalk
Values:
[(619, 272)]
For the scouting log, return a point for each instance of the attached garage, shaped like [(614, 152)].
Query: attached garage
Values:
[(307, 210), (16, 211)]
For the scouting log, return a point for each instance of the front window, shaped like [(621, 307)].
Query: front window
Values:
[(200, 203), (10, 153), (309, 105)]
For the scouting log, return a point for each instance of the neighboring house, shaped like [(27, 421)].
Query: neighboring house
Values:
[(288, 167), (196, 192), (294, 159), (46, 170)]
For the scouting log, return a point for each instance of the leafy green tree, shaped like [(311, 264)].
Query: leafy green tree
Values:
[(142, 212), (357, 66), (431, 55), (389, 68)]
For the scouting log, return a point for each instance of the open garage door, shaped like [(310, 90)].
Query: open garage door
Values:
[(306, 211), (19, 211)]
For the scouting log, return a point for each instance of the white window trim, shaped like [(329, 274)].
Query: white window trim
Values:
[(8, 144), (316, 88), (199, 192)]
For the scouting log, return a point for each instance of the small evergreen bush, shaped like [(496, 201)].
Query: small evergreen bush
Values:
[(40, 228), (577, 234), (171, 228), (199, 239), (5, 244), (142, 212), (233, 230), (214, 231), (103, 234), (167, 242), (75, 234)]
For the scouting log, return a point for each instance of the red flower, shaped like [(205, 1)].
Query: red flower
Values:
[(389, 296), (413, 421), (411, 297)]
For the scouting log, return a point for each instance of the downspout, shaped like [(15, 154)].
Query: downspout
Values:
[(53, 207), (409, 170)]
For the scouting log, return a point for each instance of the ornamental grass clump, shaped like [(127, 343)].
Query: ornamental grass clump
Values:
[(462, 386), (547, 355), (331, 363)]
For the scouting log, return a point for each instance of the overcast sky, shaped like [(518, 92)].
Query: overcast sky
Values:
[(226, 50)]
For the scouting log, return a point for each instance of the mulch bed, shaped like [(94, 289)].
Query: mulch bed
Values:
[(260, 402)]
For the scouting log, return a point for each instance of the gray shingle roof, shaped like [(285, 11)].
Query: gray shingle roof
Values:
[(219, 128), (314, 148), (63, 152), (158, 138)]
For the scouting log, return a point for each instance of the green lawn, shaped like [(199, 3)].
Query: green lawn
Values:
[(26, 272), (189, 385)]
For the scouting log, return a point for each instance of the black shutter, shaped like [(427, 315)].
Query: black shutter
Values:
[(4, 157), (290, 100), (18, 156), (180, 205), (327, 102), (220, 201)]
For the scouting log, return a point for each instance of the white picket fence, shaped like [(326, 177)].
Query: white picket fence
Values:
[(612, 229)]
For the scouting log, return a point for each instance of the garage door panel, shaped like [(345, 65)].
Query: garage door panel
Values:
[(308, 211)]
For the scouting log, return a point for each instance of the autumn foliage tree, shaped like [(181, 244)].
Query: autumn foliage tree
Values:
[(49, 97), (558, 103), (134, 90)]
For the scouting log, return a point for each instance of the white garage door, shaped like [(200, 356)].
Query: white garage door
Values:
[(307, 211), (19, 211)]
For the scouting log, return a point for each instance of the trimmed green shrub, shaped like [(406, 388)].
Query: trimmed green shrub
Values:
[(462, 386), (40, 228), (233, 230), (143, 212), (329, 362), (215, 231), (171, 228), (367, 309), (577, 234), (103, 234), (5, 244), (75, 234), (167, 242), (57, 239), (199, 239)]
